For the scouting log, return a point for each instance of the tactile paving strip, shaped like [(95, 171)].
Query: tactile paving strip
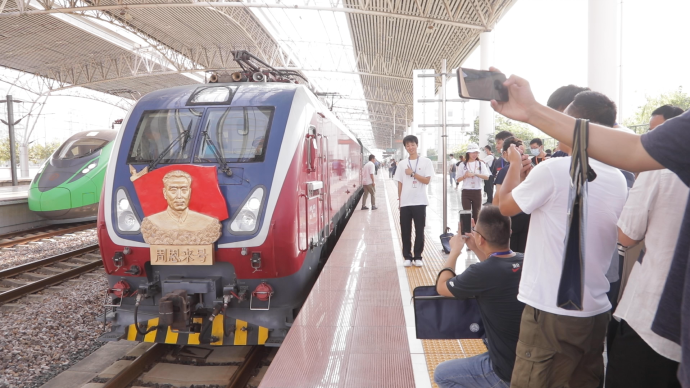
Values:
[(435, 351)]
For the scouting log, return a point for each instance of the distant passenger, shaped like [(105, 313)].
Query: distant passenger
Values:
[(663, 113), (494, 282), (413, 175), (559, 100), (368, 172), (499, 163)]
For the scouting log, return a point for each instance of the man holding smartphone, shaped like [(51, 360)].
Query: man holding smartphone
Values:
[(413, 175)]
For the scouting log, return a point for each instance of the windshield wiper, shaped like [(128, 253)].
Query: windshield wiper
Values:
[(219, 157), (184, 134)]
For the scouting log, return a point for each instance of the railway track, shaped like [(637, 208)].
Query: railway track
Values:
[(27, 236), (28, 278), (147, 367)]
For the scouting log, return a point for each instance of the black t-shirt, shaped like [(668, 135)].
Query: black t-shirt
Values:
[(501, 173), (494, 282), (499, 164), (519, 222), (669, 144)]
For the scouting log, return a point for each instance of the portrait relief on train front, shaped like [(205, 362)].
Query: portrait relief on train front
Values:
[(183, 207)]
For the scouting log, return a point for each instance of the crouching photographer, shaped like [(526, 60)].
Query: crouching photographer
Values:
[(494, 282)]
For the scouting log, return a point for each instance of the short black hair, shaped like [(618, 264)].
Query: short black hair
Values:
[(489, 147), (511, 140), (563, 96), (595, 107), (372, 157), (548, 152), (410, 139), (536, 140), (668, 111), (503, 135), (451, 155), (495, 227)]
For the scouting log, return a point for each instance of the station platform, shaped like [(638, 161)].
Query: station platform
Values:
[(14, 210), (356, 328), (14, 194)]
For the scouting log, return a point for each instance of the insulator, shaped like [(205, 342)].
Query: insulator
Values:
[(238, 77)]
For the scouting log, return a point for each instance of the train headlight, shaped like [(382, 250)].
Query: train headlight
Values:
[(123, 204), (246, 219), (212, 95), (127, 220), (90, 167)]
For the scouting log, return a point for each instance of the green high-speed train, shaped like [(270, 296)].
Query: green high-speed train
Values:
[(68, 185)]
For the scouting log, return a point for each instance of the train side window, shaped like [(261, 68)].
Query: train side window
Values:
[(240, 134), (158, 130)]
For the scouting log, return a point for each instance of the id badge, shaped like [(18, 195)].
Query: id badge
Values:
[(414, 183)]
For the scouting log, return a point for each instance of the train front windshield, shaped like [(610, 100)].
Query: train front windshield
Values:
[(79, 148), (240, 134), (165, 134)]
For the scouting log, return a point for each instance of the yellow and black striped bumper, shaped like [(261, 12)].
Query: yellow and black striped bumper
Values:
[(244, 334)]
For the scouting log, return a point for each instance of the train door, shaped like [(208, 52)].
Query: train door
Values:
[(325, 176), (311, 207)]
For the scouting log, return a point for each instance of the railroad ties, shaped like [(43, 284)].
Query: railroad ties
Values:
[(157, 364), (31, 277), (35, 235)]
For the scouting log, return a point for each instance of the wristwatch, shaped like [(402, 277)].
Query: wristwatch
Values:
[(412, 175)]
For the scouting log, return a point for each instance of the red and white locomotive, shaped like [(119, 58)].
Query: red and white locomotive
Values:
[(262, 166)]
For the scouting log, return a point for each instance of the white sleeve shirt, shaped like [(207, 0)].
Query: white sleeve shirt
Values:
[(544, 195), (651, 213), (367, 171), (413, 191)]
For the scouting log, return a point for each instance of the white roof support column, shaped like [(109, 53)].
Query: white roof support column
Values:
[(603, 71), (486, 114)]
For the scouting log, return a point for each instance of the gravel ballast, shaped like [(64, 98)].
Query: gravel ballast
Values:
[(22, 254), (46, 336)]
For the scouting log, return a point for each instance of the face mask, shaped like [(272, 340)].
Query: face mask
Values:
[(534, 151)]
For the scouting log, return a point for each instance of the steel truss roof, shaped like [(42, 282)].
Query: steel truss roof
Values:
[(183, 38)]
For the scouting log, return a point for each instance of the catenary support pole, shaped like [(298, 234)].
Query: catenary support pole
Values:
[(13, 151), (444, 140), (486, 114)]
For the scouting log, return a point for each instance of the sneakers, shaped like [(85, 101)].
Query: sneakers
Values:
[(365, 208), (374, 208), (418, 263), (408, 263)]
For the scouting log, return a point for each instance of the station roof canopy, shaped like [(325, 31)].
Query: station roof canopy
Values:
[(357, 54)]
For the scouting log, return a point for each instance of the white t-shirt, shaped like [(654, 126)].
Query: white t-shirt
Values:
[(451, 164), (413, 191), (475, 182), (367, 171), (489, 161), (544, 194), (651, 213)]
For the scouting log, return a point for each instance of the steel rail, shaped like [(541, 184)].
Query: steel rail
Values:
[(242, 375), (41, 235), (138, 366), (38, 285), (5, 273)]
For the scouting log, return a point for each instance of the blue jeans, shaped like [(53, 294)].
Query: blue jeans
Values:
[(473, 372)]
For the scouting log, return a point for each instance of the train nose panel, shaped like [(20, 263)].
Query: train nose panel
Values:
[(56, 199)]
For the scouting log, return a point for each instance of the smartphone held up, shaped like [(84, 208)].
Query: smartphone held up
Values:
[(465, 222), (482, 85)]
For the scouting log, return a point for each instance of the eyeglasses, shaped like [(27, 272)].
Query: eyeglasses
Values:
[(475, 231)]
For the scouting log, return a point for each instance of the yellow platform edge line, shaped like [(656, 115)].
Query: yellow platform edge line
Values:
[(435, 351)]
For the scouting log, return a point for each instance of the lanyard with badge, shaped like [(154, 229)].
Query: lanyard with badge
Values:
[(472, 179), (414, 181)]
